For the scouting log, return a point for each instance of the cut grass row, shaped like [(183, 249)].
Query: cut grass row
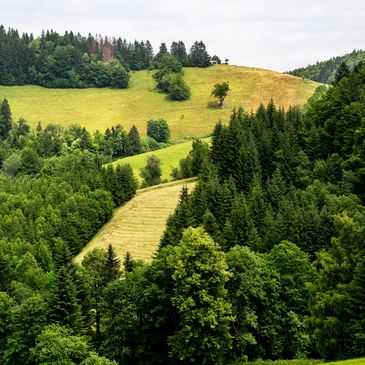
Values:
[(102, 108), (137, 226)]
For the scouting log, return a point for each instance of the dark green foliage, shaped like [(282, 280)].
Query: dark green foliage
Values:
[(134, 142), (64, 306), (158, 130), (326, 71), (178, 50), (194, 162), (30, 161), (178, 89), (5, 119), (74, 61), (198, 55), (112, 265), (151, 173), (128, 263), (169, 78)]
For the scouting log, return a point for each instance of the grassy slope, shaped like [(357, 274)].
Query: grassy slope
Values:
[(305, 362), (169, 156), (100, 108), (138, 225)]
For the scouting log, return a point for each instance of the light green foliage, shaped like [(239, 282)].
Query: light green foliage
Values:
[(295, 271), (56, 345), (95, 359), (220, 91), (200, 274)]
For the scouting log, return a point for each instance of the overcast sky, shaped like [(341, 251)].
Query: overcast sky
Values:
[(273, 34)]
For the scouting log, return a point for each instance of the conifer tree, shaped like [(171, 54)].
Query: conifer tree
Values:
[(65, 308), (6, 120), (128, 263), (112, 266), (134, 141)]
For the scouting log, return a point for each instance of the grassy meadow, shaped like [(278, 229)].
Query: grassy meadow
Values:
[(170, 157), (138, 225), (101, 108), (360, 361)]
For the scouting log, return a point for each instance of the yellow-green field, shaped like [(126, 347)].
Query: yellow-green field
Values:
[(169, 157), (100, 108), (137, 226), (360, 361)]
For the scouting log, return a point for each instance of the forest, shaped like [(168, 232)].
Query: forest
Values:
[(74, 61), (263, 260), (325, 71)]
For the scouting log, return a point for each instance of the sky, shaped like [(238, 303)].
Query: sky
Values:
[(273, 34)]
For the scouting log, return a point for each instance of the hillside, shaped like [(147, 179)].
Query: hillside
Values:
[(138, 225), (325, 71), (169, 157), (101, 108)]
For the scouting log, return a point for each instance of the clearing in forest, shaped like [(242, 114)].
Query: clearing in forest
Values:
[(138, 225)]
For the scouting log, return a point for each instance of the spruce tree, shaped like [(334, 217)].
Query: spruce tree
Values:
[(6, 120), (65, 308), (112, 266), (128, 263), (134, 141)]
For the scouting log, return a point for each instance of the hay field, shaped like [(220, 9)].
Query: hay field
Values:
[(138, 225)]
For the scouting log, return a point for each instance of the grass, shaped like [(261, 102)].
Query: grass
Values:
[(169, 156), (360, 361), (138, 225), (101, 108)]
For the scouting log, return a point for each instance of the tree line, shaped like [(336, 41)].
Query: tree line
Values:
[(325, 71), (75, 61), (23, 150)]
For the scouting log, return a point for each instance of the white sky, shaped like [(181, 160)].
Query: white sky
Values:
[(273, 34)]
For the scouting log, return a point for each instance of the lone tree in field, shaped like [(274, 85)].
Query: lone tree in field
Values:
[(151, 173), (220, 91)]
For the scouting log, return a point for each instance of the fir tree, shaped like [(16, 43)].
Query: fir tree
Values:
[(6, 121), (134, 141), (65, 308), (112, 266)]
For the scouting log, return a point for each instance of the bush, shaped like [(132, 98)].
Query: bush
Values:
[(178, 89), (158, 130)]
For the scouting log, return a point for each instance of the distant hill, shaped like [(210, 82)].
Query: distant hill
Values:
[(325, 71), (101, 108)]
